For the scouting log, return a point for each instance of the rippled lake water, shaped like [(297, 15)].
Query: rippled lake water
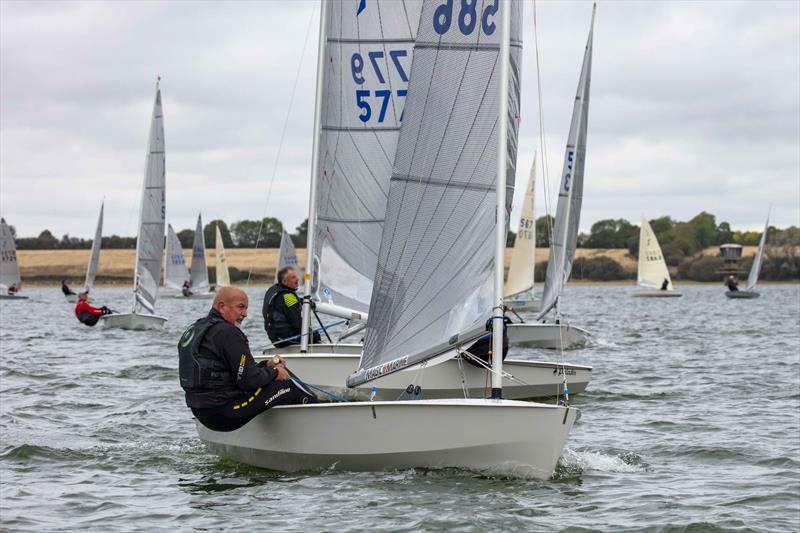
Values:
[(691, 423)]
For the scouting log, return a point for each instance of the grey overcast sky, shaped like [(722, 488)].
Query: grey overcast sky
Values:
[(694, 106)]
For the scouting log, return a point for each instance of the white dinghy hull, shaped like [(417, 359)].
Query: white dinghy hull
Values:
[(194, 296), (655, 293), (743, 295), (14, 297), (518, 438), (523, 305), (550, 336), (133, 321), (327, 367)]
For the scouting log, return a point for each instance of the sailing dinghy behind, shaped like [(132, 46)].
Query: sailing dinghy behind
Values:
[(9, 268), (755, 269), (652, 280)]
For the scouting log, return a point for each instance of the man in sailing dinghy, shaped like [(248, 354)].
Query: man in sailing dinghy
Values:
[(12, 289), (665, 284), (282, 310), (65, 288), (86, 313), (225, 388), (187, 288), (732, 284)]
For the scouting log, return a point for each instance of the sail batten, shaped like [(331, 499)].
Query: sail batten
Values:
[(433, 282), (570, 196), (152, 217)]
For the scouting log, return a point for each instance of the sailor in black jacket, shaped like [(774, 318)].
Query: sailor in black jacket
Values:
[(225, 388), (282, 310)]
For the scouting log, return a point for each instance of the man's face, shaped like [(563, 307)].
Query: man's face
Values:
[(291, 280), (235, 310)]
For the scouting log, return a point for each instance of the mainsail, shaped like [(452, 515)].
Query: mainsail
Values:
[(150, 238), (199, 272), (433, 283), (223, 278), (570, 195), (523, 259), (175, 271), (652, 267), (94, 255), (9, 269), (752, 279), (368, 54), (288, 256)]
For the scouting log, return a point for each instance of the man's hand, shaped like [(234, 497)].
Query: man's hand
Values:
[(276, 362), (283, 375)]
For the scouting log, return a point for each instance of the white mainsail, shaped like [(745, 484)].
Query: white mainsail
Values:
[(433, 283), (288, 256), (752, 279), (368, 53), (150, 237), (198, 275), (652, 267), (94, 255), (9, 268), (223, 277), (523, 257), (175, 271), (570, 195)]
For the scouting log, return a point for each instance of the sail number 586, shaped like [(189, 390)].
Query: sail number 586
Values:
[(467, 17)]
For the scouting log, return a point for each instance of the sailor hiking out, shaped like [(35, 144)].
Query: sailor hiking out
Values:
[(86, 313), (225, 388)]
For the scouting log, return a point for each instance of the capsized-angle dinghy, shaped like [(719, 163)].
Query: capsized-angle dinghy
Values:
[(150, 237), (653, 279), (518, 438), (558, 334), (749, 292)]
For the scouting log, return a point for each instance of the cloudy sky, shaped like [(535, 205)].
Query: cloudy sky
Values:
[(694, 106)]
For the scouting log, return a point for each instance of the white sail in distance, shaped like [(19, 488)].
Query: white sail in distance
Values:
[(523, 257), (652, 269), (152, 216), (434, 279), (368, 52), (175, 271), (94, 255), (198, 275), (755, 268), (570, 192), (223, 277), (288, 256), (9, 268)]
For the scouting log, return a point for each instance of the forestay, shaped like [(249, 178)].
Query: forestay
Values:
[(368, 57), (288, 256), (433, 283), (94, 255), (570, 193), (652, 267), (198, 276), (9, 269), (523, 258), (150, 238), (175, 271), (752, 279), (223, 278)]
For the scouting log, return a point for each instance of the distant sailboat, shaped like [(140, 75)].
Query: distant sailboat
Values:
[(176, 273), (94, 258), (9, 268), (150, 237), (755, 269), (653, 280), (198, 274), (519, 285), (288, 256), (565, 231), (223, 277)]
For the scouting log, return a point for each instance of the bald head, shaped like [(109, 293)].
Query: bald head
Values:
[(231, 303)]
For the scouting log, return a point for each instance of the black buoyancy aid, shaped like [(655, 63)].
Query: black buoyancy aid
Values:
[(482, 348), (276, 323), (201, 371), (87, 318)]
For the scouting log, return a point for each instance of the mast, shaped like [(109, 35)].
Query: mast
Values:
[(500, 228), (312, 197)]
